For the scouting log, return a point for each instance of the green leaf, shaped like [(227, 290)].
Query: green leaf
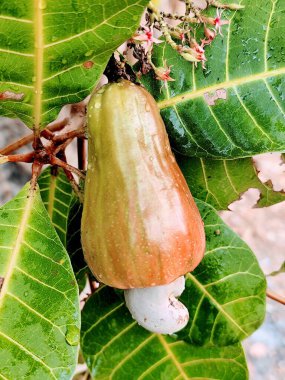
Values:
[(225, 294), (53, 53), (65, 212), (221, 182), (115, 347), (39, 306), (56, 193), (248, 65)]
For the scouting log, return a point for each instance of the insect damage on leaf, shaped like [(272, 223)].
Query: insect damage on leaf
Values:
[(88, 64), (211, 98), (9, 95)]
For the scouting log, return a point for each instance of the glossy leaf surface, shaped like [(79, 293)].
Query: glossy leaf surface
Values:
[(65, 212), (115, 347), (56, 193), (245, 71), (225, 294), (54, 52), (221, 182), (39, 308)]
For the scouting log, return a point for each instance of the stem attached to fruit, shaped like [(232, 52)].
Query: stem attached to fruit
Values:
[(157, 308)]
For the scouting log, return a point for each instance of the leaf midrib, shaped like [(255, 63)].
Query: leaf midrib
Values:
[(17, 246), (267, 33), (183, 97), (39, 53), (172, 356), (51, 196), (215, 303)]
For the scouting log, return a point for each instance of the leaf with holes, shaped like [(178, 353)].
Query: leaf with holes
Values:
[(225, 294), (39, 306), (56, 193), (234, 108), (221, 182), (53, 53), (115, 347)]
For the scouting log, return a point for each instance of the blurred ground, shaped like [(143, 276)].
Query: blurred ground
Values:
[(262, 229), (12, 175)]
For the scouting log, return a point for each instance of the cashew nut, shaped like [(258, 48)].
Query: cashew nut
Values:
[(157, 309)]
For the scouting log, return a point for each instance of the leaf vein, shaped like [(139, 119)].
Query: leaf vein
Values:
[(127, 357), (99, 320), (251, 116), (173, 357), (215, 303), (183, 97), (88, 30), (22, 348), (35, 312)]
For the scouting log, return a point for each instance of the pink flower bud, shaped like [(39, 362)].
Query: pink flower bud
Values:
[(210, 34), (189, 56), (163, 73)]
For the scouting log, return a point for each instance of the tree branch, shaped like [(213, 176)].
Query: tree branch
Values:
[(275, 297), (26, 157), (29, 138), (56, 161), (81, 153)]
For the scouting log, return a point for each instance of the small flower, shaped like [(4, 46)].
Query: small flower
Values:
[(218, 22), (146, 39), (210, 35), (195, 46), (182, 37), (198, 52), (163, 73), (179, 35), (190, 55)]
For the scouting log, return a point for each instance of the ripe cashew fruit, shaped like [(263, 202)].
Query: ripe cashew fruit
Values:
[(140, 224)]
